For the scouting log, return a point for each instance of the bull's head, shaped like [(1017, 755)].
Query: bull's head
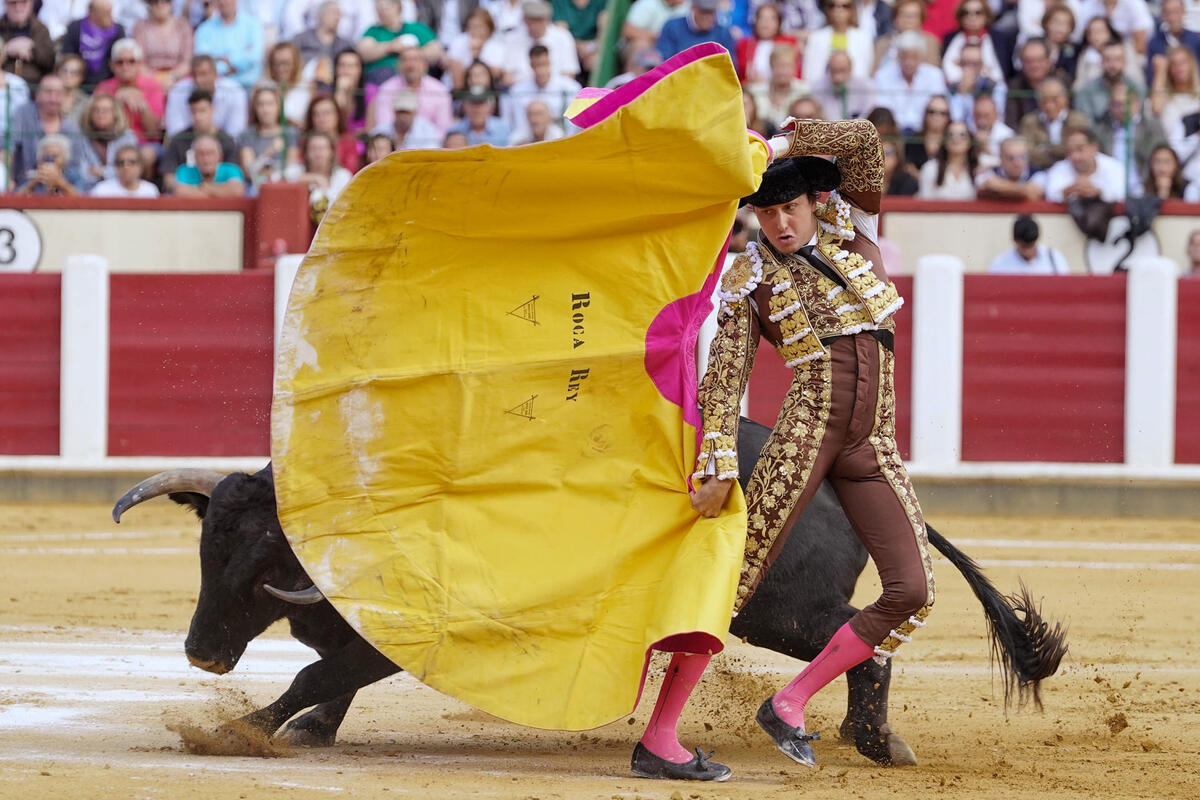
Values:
[(248, 573)]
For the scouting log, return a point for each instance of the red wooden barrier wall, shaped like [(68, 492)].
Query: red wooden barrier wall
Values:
[(30, 323), (1044, 371), (190, 364), (1187, 375), (770, 379)]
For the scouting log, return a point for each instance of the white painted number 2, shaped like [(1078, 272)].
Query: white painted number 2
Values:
[(20, 242)]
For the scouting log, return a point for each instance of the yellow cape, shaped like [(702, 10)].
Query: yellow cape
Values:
[(472, 459)]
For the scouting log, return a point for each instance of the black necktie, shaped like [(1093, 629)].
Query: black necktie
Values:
[(806, 252)]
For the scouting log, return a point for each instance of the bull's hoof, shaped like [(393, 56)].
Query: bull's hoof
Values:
[(902, 755), (306, 731), (882, 745)]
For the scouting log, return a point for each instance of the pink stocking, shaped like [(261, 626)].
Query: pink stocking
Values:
[(845, 650), (661, 737)]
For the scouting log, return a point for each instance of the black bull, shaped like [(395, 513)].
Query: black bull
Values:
[(246, 566)]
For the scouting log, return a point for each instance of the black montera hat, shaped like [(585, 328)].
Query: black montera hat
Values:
[(789, 178)]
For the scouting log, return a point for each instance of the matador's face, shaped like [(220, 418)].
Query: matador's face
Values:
[(788, 226)]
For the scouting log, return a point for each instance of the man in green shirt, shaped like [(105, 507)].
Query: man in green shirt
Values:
[(584, 19), (382, 43)]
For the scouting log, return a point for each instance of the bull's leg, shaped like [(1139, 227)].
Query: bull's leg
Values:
[(319, 727), (866, 716), (339, 675)]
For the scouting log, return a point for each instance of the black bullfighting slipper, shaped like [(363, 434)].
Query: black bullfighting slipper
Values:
[(648, 765), (792, 742)]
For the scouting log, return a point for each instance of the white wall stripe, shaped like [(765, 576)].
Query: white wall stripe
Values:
[(937, 359), (83, 371), (1150, 333)]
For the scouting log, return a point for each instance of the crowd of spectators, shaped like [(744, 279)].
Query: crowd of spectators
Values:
[(997, 99), (136, 98), (1004, 99)]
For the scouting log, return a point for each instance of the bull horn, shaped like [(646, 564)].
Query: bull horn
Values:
[(200, 481), (304, 597)]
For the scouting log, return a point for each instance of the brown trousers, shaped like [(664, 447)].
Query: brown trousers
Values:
[(838, 422)]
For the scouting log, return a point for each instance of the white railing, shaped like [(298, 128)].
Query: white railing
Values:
[(936, 385)]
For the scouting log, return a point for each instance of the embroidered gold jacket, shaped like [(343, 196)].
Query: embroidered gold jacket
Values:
[(791, 303)]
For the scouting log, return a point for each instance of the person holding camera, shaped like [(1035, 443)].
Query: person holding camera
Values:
[(53, 176)]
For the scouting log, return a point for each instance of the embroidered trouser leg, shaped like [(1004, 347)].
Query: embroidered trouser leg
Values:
[(838, 421)]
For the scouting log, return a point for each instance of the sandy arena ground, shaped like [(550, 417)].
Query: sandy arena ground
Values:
[(93, 679)]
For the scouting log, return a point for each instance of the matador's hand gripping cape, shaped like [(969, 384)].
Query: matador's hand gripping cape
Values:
[(484, 415)]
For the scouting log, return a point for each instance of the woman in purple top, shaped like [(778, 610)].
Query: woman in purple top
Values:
[(92, 39)]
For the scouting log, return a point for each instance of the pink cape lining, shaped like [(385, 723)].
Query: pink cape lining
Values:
[(671, 337), (611, 100)]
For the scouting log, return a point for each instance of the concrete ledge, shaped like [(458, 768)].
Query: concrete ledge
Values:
[(1074, 497), (939, 494), (96, 485)]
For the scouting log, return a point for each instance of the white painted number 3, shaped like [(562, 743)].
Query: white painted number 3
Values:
[(20, 242)]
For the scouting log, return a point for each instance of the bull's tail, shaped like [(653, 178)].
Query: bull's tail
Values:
[(1027, 648)]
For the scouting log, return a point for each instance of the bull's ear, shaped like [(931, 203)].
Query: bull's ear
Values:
[(197, 502)]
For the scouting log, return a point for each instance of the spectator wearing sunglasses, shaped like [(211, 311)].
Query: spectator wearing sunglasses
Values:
[(974, 17), (841, 33), (128, 180), (140, 95)]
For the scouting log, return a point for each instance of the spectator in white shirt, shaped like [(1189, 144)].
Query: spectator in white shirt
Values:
[(1027, 257), (128, 182), (1130, 18), (905, 86), (298, 16), (843, 24), (972, 83), (538, 126), (645, 19), (564, 58), (479, 42), (556, 91), (506, 14), (1013, 178), (407, 130), (841, 94), (989, 131), (951, 175), (1085, 172), (1030, 14), (56, 15), (1193, 255), (229, 99)]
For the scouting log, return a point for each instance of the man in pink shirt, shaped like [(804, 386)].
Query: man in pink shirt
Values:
[(140, 94), (433, 98)]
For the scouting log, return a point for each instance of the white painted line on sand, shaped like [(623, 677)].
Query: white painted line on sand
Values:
[(1043, 544), (78, 536), (97, 551), (1031, 563)]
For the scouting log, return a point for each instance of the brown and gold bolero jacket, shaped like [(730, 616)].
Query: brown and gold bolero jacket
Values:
[(789, 301)]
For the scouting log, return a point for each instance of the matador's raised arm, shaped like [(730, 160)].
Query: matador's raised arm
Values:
[(856, 146)]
